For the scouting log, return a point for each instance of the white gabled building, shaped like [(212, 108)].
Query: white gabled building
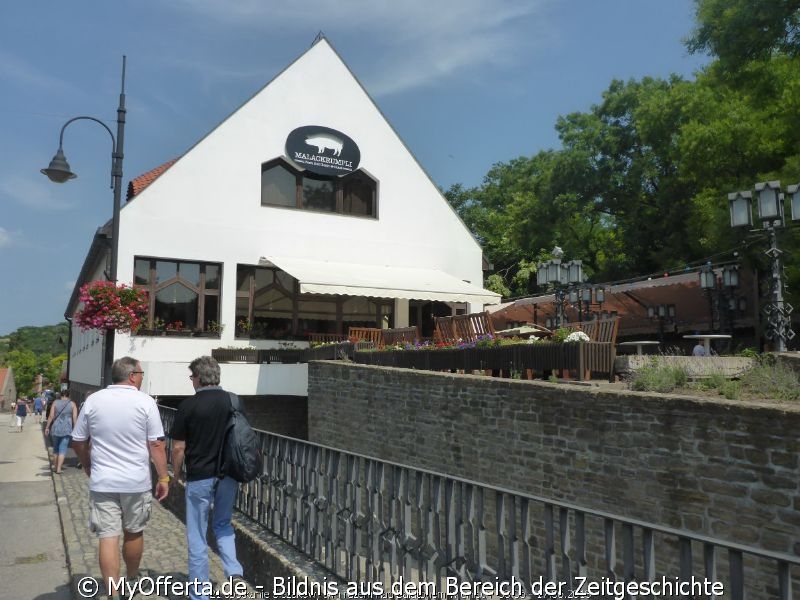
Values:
[(301, 212)]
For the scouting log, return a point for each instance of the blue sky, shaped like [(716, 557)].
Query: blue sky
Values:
[(466, 84)]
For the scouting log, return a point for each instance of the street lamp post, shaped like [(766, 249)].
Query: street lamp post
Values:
[(560, 275), (770, 211), (59, 171)]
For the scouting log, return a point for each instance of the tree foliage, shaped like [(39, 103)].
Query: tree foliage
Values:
[(739, 31), (640, 182), (34, 351)]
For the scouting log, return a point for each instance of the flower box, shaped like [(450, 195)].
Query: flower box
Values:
[(541, 358), (330, 351), (227, 355)]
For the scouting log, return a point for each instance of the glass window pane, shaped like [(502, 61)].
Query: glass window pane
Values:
[(359, 312), (285, 281), (165, 269), (211, 310), (318, 194), (141, 271), (212, 277), (264, 278), (243, 275), (177, 305), (358, 197), (278, 187), (190, 272)]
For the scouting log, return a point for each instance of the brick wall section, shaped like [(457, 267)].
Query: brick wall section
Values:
[(728, 469)]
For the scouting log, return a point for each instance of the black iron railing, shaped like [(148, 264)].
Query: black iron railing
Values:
[(375, 521)]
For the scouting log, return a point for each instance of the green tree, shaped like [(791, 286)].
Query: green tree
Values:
[(25, 367), (739, 31)]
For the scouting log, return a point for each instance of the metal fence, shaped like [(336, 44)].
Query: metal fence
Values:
[(369, 520)]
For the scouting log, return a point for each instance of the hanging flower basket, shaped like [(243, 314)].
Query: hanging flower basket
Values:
[(110, 306)]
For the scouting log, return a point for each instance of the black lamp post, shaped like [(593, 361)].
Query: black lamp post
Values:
[(664, 313), (59, 171), (560, 275), (770, 212)]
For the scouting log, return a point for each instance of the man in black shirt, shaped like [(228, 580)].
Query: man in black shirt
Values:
[(197, 434)]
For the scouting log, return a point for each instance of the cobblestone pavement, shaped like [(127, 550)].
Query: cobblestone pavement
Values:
[(164, 538)]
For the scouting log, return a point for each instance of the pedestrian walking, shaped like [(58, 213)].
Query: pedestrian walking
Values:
[(21, 413), (60, 421), (38, 405), (126, 434), (198, 432)]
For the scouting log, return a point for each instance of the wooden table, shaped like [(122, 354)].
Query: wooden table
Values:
[(639, 345), (707, 337)]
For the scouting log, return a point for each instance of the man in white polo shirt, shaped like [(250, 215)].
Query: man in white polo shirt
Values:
[(117, 434)]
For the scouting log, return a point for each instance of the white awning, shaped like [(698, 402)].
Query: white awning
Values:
[(381, 281)]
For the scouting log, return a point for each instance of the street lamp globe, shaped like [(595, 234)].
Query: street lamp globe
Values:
[(770, 206), (739, 203), (58, 170), (794, 194)]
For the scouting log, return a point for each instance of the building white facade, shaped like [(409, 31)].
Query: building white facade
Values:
[(207, 207)]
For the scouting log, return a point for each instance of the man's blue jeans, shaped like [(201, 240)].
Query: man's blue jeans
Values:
[(200, 501)]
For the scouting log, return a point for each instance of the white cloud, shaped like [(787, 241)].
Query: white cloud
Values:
[(5, 237), (22, 74), (415, 42), (31, 193)]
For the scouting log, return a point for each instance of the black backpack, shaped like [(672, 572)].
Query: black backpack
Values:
[(240, 455)]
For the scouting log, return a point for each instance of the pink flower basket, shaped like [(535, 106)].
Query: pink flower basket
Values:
[(107, 305)]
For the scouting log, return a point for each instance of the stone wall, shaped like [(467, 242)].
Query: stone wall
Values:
[(724, 468), (285, 415)]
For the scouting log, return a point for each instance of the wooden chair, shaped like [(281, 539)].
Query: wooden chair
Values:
[(462, 328), (607, 330), (366, 334), (481, 324), (401, 335), (443, 329)]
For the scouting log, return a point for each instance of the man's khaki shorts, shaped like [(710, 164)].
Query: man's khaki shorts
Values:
[(111, 513)]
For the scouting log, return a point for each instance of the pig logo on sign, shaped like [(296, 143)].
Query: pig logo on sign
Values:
[(324, 142)]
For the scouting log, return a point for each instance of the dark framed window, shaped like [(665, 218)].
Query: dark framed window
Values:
[(184, 295), (282, 185), (269, 305)]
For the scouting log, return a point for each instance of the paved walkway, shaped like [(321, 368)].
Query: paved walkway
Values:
[(33, 561)]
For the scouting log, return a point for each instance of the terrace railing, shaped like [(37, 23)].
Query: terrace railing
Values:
[(376, 521), (524, 359)]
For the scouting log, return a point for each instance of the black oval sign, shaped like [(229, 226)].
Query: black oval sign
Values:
[(323, 150)]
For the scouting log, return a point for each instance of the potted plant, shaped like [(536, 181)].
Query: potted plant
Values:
[(243, 328), (107, 305), (212, 330), (177, 329)]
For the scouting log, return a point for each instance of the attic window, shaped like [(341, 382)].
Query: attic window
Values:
[(284, 186)]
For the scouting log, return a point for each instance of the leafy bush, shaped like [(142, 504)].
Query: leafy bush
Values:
[(659, 378), (731, 389), (747, 353), (770, 378), (560, 334)]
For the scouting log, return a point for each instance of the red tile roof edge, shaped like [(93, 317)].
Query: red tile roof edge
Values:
[(137, 185)]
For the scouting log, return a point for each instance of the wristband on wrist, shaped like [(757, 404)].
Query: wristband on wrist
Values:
[(164, 479)]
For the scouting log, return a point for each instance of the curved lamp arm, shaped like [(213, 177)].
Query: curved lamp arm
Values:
[(114, 162)]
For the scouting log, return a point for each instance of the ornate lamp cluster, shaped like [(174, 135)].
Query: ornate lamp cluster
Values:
[(769, 206), (570, 287)]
